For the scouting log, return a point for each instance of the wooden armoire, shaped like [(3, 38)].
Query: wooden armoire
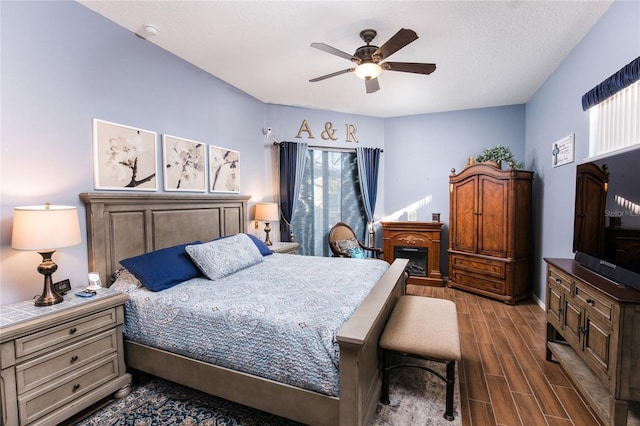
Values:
[(490, 232), (591, 201)]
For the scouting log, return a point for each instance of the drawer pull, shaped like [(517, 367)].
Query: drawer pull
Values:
[(73, 330), (74, 359), (559, 280), (591, 302), (76, 387)]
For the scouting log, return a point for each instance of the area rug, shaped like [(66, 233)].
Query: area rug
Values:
[(417, 398)]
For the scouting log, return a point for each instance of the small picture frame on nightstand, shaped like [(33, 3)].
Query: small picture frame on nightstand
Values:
[(62, 287)]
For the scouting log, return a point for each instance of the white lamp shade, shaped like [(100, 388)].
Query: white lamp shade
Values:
[(368, 70), (45, 227), (267, 212)]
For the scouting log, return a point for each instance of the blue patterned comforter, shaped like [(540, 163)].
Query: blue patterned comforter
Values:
[(277, 319)]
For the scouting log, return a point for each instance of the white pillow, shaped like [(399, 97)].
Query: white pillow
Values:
[(219, 258)]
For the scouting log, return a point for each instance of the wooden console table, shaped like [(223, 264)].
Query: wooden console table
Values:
[(593, 332), (420, 243)]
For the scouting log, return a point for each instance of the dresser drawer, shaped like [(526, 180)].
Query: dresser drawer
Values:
[(64, 333), (479, 282), (46, 368), (600, 304), (560, 278), (486, 267), (35, 404)]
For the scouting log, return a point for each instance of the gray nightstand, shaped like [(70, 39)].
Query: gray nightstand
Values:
[(57, 360), (284, 247)]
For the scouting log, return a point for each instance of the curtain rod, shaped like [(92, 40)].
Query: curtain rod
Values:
[(327, 148)]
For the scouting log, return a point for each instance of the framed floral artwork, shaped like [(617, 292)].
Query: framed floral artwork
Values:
[(224, 169), (125, 158), (184, 164)]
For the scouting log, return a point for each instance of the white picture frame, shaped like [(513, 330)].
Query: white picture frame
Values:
[(125, 157), (224, 170), (184, 164), (562, 151)]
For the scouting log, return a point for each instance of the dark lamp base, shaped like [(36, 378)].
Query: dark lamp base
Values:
[(49, 296), (48, 300), (267, 229)]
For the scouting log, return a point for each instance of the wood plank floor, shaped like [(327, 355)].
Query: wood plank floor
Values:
[(504, 377)]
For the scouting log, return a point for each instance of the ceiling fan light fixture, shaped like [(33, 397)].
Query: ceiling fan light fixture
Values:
[(368, 70)]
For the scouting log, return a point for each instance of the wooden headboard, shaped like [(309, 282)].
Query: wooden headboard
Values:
[(125, 225)]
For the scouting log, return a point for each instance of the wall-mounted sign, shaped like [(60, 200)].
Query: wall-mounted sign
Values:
[(562, 151), (329, 132)]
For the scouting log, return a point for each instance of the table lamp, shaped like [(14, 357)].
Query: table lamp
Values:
[(267, 212), (44, 229)]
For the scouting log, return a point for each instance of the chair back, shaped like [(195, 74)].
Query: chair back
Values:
[(339, 232)]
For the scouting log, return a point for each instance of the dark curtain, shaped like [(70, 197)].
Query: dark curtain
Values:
[(368, 166), (291, 159), (612, 85)]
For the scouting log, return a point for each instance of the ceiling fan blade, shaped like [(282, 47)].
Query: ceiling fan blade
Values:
[(333, 51), (395, 43), (414, 67), (333, 74), (372, 85)]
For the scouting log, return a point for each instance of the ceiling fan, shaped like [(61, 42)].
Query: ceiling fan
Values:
[(367, 58)]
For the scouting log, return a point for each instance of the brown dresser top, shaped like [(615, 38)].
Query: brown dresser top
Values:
[(620, 293)]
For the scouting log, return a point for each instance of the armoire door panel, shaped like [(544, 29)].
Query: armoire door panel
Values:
[(492, 238), (591, 199), (465, 234)]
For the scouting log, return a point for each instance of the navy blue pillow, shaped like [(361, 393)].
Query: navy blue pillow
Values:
[(264, 249), (164, 268)]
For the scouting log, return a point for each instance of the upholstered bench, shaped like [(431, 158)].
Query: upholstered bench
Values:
[(424, 328)]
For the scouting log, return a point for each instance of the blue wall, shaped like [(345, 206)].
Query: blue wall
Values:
[(422, 150), (555, 111), (63, 65)]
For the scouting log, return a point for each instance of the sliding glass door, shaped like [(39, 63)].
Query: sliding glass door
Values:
[(330, 193)]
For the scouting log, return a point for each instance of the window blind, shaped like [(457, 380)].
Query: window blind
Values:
[(614, 123), (614, 111)]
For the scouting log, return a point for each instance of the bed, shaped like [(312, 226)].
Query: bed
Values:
[(122, 225)]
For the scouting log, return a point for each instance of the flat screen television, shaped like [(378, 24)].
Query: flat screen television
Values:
[(606, 236)]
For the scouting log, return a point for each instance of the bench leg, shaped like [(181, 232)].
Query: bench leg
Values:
[(451, 381), (384, 398)]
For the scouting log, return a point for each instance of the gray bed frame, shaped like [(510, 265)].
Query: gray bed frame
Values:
[(121, 225)]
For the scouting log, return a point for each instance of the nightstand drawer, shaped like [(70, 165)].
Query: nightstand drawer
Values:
[(46, 399), (45, 369), (50, 337)]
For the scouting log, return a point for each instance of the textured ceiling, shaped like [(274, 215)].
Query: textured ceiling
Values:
[(488, 53)]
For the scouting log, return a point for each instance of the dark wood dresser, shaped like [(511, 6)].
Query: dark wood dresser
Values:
[(490, 232)]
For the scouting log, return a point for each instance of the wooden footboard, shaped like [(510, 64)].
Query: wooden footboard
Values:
[(360, 367), (360, 374)]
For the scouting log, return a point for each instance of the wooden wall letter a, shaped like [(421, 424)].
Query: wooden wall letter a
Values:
[(304, 127)]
